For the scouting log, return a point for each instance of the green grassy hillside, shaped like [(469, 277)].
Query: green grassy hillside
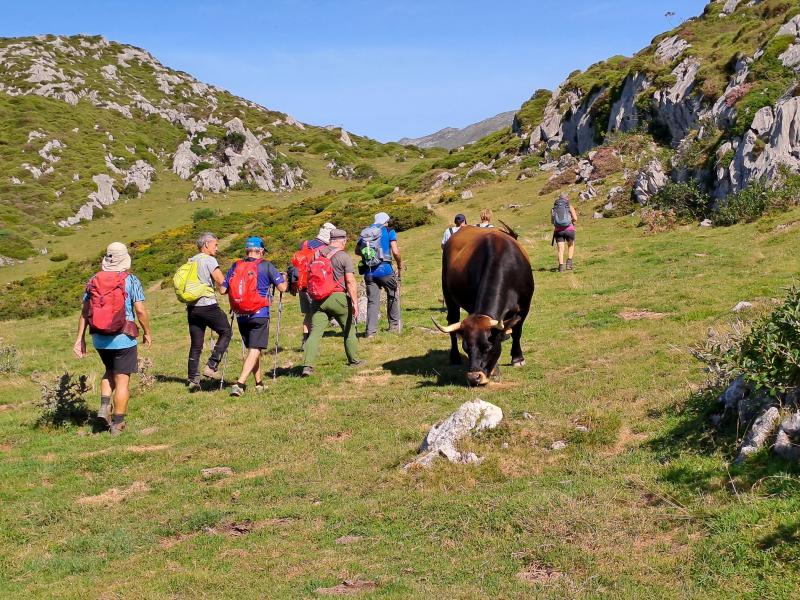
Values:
[(641, 503)]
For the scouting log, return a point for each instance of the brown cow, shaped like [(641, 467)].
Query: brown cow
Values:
[(487, 273)]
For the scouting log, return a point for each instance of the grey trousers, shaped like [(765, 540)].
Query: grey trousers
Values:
[(374, 287)]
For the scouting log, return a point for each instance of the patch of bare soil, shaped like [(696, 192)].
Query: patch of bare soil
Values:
[(348, 587), (339, 436), (348, 539), (174, 540), (536, 573), (5, 447), (632, 314), (625, 438), (148, 430), (95, 453), (114, 495), (372, 377), (146, 449)]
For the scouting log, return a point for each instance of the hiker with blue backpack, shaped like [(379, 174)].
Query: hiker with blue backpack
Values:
[(333, 293), (376, 248), (564, 218), (248, 284), (194, 284), (113, 300)]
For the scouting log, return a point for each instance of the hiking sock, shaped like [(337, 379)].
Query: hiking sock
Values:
[(105, 400), (117, 419)]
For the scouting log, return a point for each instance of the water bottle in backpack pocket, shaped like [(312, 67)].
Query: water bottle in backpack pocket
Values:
[(372, 254)]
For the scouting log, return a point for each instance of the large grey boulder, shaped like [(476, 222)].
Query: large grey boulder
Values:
[(758, 435), (184, 160), (141, 175), (678, 107), (442, 439), (670, 49), (624, 114), (105, 195), (787, 444), (649, 181)]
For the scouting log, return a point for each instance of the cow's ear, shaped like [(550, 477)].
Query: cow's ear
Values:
[(510, 324)]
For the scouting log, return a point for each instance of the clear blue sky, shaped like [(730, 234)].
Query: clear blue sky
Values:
[(382, 68)]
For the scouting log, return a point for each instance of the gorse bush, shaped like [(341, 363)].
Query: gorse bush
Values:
[(686, 201), (63, 401), (203, 214), (744, 206)]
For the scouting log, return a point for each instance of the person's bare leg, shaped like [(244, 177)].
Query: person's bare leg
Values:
[(121, 393), (560, 246), (570, 249), (257, 370), (250, 362)]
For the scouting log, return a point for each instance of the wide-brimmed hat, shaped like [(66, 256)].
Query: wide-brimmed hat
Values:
[(324, 234), (116, 258)]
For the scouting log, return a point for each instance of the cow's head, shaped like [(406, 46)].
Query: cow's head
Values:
[(480, 338)]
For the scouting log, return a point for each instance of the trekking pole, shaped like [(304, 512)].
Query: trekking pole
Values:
[(277, 335), (225, 358)]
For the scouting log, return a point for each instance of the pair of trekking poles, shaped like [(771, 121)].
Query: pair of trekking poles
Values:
[(241, 339)]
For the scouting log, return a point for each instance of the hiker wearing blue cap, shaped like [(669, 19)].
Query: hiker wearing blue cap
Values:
[(247, 284), (459, 221), (376, 247)]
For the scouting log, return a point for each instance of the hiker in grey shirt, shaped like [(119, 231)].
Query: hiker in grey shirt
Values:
[(206, 312)]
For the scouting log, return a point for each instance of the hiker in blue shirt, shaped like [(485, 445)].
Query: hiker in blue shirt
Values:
[(253, 324), (382, 275)]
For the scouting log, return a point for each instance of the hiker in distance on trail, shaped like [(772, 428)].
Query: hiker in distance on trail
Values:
[(564, 218), (248, 284), (298, 273), (194, 284), (486, 218), (114, 298), (459, 222), (376, 248), (333, 294)]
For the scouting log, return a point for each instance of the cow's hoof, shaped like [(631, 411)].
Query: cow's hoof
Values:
[(519, 363)]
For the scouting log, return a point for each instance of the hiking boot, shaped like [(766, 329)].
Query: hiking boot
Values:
[(116, 429), (562, 267), (211, 373), (569, 264), (355, 363), (260, 388), (193, 386), (307, 372), (237, 389), (104, 413)]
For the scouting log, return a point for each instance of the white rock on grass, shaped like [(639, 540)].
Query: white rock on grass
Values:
[(742, 306), (759, 433), (472, 416), (787, 444)]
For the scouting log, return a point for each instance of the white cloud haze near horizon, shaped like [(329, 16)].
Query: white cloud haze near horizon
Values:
[(386, 70)]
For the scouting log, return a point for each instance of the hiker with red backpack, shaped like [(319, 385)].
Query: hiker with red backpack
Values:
[(298, 273), (333, 293), (113, 296), (563, 217), (248, 284)]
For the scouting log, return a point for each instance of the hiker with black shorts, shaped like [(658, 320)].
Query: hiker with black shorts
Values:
[(248, 284), (205, 312), (114, 299), (333, 293), (486, 218), (376, 248), (564, 218), (300, 262), (459, 222)]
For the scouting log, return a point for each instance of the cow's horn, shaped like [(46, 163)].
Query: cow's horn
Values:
[(495, 324), (449, 329)]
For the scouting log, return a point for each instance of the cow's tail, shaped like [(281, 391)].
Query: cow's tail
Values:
[(506, 228)]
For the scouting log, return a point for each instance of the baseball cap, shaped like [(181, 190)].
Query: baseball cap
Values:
[(253, 243), (460, 219), (382, 218), (338, 234)]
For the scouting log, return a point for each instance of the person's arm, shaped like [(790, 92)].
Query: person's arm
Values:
[(144, 320), (574, 214), (278, 279), (219, 279), (445, 236), (282, 287), (352, 291), (396, 253), (223, 287), (79, 348)]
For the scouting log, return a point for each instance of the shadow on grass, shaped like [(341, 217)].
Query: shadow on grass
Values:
[(436, 363)]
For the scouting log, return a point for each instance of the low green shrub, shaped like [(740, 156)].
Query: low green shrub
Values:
[(60, 257), (203, 214), (687, 201), (744, 206), (63, 401), (365, 172), (9, 358)]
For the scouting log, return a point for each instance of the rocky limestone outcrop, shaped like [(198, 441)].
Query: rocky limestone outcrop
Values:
[(624, 114), (678, 108), (341, 171), (105, 195), (670, 49), (649, 181), (442, 439), (791, 57), (141, 175), (787, 442)]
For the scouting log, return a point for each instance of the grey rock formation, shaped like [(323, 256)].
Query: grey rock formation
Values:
[(441, 179), (345, 139), (184, 160), (141, 175), (734, 394), (649, 181), (787, 443), (670, 49), (624, 115), (467, 195), (105, 195), (451, 137), (341, 171), (442, 439), (678, 108), (790, 28), (729, 7), (760, 432), (480, 166)]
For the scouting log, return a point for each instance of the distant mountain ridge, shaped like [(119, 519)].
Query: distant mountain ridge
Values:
[(452, 137)]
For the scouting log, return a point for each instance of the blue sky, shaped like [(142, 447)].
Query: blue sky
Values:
[(385, 69)]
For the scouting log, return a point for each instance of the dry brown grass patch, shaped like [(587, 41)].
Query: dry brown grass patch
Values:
[(146, 449), (633, 314), (538, 573), (114, 495), (348, 587)]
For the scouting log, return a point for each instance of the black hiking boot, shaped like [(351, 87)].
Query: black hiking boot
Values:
[(562, 267), (569, 264)]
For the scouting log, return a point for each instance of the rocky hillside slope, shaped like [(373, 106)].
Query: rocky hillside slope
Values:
[(85, 122), (452, 137)]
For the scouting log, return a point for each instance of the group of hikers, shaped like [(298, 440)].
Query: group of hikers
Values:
[(322, 273)]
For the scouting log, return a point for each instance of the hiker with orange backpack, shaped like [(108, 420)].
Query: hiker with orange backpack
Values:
[(248, 284), (333, 293), (113, 296), (298, 273)]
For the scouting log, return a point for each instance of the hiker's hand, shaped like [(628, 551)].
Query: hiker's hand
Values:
[(79, 348), (355, 311), (148, 340)]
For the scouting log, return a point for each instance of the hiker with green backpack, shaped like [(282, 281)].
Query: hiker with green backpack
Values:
[(194, 284), (333, 293), (563, 217)]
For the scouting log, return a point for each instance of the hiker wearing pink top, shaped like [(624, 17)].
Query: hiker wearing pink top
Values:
[(564, 218)]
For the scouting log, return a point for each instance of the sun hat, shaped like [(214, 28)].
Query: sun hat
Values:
[(324, 234), (382, 218), (116, 258), (254, 243)]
